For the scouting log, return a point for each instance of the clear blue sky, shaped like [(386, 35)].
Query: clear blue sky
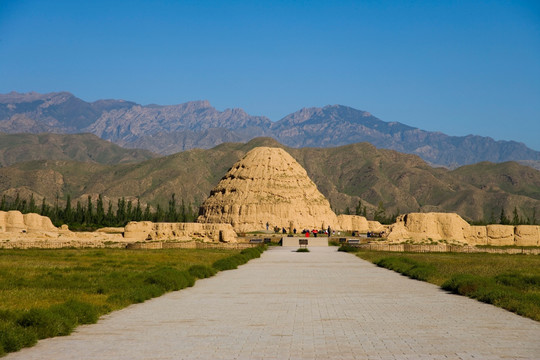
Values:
[(460, 67)]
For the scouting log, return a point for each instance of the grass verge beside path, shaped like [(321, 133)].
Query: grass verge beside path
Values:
[(46, 293), (511, 282)]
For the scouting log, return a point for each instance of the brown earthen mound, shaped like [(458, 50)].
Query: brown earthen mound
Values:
[(146, 230), (353, 223), (433, 226), (527, 235), (451, 227), (15, 221), (267, 186)]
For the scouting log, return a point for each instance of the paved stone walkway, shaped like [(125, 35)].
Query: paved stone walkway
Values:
[(317, 305)]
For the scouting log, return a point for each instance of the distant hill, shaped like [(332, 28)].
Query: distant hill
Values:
[(345, 174), (196, 124), (16, 148)]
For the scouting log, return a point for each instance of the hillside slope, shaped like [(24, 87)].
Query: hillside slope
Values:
[(16, 148)]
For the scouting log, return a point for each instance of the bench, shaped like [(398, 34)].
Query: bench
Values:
[(342, 240), (255, 241), (303, 242), (267, 240), (353, 241)]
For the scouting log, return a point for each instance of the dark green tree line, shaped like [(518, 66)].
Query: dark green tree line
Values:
[(92, 216)]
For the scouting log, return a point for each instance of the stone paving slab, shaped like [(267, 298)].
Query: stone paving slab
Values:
[(287, 305)]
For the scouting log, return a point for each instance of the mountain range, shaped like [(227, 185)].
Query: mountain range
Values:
[(171, 129), (15, 148), (345, 175)]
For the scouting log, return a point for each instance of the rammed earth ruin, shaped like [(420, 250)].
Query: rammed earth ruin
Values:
[(267, 186)]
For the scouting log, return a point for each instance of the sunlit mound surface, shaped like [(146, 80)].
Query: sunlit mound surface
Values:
[(267, 186)]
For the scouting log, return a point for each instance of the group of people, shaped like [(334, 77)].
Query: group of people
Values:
[(315, 232), (305, 232)]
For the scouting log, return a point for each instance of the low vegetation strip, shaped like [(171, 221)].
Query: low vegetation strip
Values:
[(508, 281), (46, 293), (429, 248), (232, 262), (411, 268)]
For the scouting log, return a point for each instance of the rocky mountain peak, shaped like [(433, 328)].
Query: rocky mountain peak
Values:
[(196, 124), (188, 106), (14, 97), (299, 116)]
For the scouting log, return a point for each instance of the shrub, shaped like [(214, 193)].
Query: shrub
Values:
[(201, 271), (140, 294), (152, 284), (493, 294), (484, 289), (137, 294), (232, 262), (84, 313), (6, 315), (14, 337), (229, 263), (348, 248), (420, 272), (465, 284), (407, 267), (520, 281), (47, 323), (252, 253), (58, 320), (480, 288), (170, 279)]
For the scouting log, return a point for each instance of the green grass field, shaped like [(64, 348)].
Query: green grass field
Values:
[(508, 281), (46, 293)]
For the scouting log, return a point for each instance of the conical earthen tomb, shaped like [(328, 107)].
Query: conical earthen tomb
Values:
[(267, 186)]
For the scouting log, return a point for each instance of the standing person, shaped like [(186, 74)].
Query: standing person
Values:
[(267, 225), (329, 231)]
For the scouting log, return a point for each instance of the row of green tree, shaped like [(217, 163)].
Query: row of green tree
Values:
[(90, 215), (380, 215), (514, 219)]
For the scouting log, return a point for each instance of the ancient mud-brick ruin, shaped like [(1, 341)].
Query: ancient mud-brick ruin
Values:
[(146, 230), (15, 222), (418, 227), (267, 186)]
